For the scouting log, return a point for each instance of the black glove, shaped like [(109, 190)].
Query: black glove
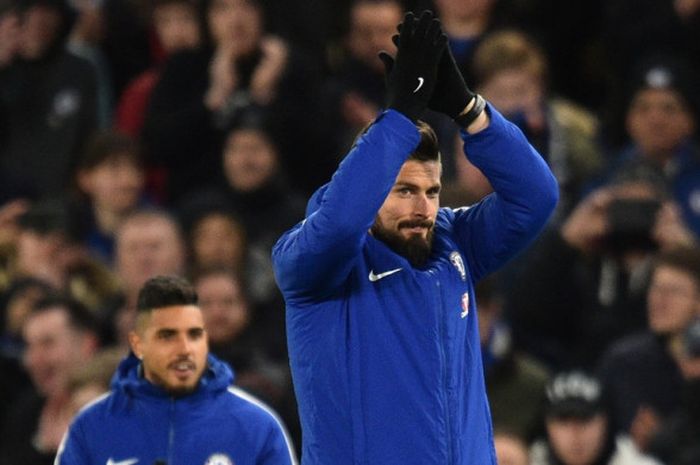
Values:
[(451, 95), (410, 79)]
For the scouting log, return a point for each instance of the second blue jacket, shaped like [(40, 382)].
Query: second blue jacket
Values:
[(140, 424)]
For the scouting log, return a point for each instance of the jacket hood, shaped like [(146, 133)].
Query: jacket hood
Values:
[(217, 377)]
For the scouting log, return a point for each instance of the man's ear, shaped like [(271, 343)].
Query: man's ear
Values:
[(135, 344)]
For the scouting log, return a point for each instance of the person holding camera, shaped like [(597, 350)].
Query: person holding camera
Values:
[(644, 373), (584, 284), (661, 111)]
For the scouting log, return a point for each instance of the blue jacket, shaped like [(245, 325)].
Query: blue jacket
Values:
[(139, 423), (389, 371)]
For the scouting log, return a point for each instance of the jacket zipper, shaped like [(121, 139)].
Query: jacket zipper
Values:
[(171, 433), (445, 372)]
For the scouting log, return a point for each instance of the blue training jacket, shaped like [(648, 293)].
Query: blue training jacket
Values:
[(138, 423), (388, 371)]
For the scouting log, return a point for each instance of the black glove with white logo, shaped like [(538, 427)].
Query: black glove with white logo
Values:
[(451, 95), (411, 78)]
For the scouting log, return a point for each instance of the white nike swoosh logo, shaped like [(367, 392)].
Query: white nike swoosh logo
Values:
[(420, 84), (122, 462), (376, 277)]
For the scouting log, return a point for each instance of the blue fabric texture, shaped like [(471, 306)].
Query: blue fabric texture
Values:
[(139, 423), (390, 370)]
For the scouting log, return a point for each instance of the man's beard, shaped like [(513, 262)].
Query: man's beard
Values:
[(413, 248)]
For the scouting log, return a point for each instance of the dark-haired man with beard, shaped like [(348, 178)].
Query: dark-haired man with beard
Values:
[(379, 281), (171, 401)]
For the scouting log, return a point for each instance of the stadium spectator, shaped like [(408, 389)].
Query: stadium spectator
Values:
[(577, 427), (48, 104), (642, 373), (60, 335)]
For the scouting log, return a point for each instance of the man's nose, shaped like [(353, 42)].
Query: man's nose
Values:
[(184, 345), (421, 205)]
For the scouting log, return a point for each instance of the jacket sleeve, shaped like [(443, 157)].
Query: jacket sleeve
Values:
[(316, 256), (526, 193), (278, 449), (71, 450)]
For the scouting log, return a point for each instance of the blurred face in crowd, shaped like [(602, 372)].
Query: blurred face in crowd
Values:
[(577, 441), (218, 240), (39, 29), (53, 349), (177, 26), (43, 256), (114, 185), (223, 305), (406, 219), (146, 246), (372, 24), (236, 24), (250, 159), (673, 300), (658, 120), (517, 90), (172, 345), (462, 10), (510, 450)]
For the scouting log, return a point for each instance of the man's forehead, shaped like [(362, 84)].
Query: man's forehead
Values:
[(175, 317), (54, 318), (413, 171)]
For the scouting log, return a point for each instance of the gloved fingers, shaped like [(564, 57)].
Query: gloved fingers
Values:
[(441, 42), (423, 25), (387, 61), (408, 26), (434, 30), (395, 39)]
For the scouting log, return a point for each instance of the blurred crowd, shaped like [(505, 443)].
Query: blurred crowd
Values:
[(145, 137)]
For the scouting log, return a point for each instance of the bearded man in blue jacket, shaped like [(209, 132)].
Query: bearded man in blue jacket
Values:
[(379, 281), (171, 401)]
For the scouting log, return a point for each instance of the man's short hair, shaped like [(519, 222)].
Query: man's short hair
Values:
[(227, 272), (80, 317), (165, 291), (150, 214), (107, 144), (428, 148), (684, 259), (507, 50)]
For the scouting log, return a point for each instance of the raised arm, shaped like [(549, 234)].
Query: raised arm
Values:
[(525, 189), (525, 194), (316, 256)]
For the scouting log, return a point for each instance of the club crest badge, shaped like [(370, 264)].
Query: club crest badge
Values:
[(219, 459), (456, 260), (465, 305)]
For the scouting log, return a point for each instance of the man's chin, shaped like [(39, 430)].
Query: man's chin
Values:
[(414, 246), (179, 390), (182, 386)]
